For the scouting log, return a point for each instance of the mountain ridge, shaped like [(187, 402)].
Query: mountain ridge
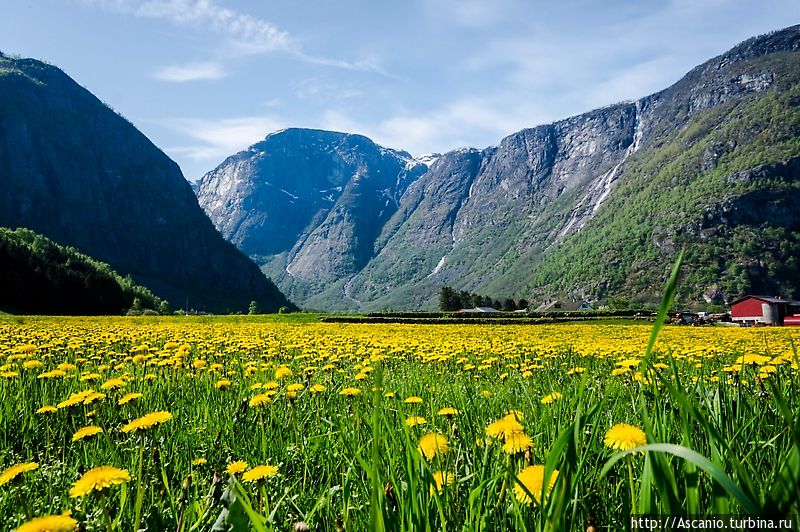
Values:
[(503, 218), (77, 172)]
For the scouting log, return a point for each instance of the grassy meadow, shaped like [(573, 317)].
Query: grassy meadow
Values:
[(288, 424)]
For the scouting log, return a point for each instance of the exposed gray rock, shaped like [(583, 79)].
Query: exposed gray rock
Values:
[(311, 202), (477, 219)]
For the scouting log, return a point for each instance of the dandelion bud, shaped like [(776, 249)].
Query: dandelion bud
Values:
[(301, 526)]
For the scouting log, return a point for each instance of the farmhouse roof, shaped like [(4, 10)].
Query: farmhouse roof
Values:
[(768, 299)]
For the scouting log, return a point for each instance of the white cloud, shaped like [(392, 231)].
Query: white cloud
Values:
[(217, 139), (457, 124), (473, 14), (245, 34), (191, 72)]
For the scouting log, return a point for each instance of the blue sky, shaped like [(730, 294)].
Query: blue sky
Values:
[(204, 79)]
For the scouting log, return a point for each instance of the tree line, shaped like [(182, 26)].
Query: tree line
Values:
[(38, 276), (451, 300)]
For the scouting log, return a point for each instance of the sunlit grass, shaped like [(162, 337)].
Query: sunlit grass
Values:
[(730, 396)]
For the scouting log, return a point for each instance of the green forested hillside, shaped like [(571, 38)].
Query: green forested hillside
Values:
[(38, 276), (726, 189)]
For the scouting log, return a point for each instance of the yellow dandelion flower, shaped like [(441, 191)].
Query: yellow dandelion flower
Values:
[(504, 427), (50, 523), (271, 385), (147, 421), (260, 473), (282, 372), (47, 409), (222, 384), (753, 359), (86, 432), (32, 364), (236, 467), (532, 478), (296, 387), (350, 392), (317, 388), (413, 421), (517, 442), (199, 461), (94, 396), (260, 400), (440, 480), (76, 398), (128, 397), (389, 395), (53, 374), (98, 479), (432, 444), (113, 384), (624, 437), (16, 470), (486, 393), (413, 400), (448, 412), (619, 371), (551, 398)]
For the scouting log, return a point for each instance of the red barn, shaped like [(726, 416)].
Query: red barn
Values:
[(763, 309)]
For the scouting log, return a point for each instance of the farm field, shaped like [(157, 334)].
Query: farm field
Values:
[(264, 424)]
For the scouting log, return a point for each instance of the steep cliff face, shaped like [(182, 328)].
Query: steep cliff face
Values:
[(597, 204), (308, 204), (78, 173)]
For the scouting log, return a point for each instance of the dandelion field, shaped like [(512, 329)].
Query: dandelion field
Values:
[(262, 424)]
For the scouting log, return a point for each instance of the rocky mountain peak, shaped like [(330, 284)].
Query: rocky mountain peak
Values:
[(512, 218)]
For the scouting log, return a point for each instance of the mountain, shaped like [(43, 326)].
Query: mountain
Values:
[(39, 276), (77, 172), (308, 204), (594, 206)]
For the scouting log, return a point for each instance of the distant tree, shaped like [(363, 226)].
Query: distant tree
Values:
[(618, 303), (509, 305), (136, 305), (496, 304), (253, 309), (522, 304), (448, 299), (164, 308)]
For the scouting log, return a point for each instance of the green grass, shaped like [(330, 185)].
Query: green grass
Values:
[(714, 446)]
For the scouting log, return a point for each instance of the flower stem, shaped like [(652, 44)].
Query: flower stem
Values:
[(632, 487), (106, 514), (139, 486)]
